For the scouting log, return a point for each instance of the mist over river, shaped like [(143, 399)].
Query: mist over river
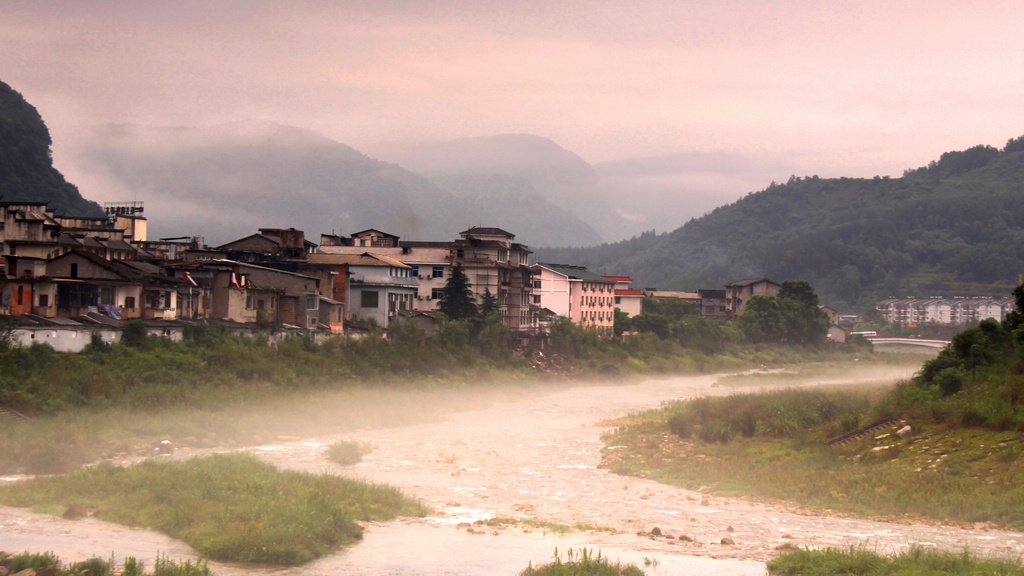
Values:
[(533, 457)]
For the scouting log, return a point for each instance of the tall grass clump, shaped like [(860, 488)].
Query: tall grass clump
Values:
[(915, 561), (228, 507), (778, 414), (582, 562), (347, 452), (49, 563)]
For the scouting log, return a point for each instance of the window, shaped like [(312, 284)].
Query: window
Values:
[(44, 300), (129, 302), (536, 298), (21, 295), (536, 284), (74, 270), (436, 293), (414, 271), (312, 301), (618, 299), (370, 299), (438, 272)]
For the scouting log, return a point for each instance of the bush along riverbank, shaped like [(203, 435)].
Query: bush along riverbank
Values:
[(47, 563), (217, 389), (944, 446), (229, 507)]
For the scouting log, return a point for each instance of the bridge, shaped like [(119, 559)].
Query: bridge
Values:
[(918, 342)]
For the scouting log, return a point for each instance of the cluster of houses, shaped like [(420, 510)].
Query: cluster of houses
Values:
[(910, 311), (65, 279)]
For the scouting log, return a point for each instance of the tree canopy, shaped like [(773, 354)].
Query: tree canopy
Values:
[(457, 301)]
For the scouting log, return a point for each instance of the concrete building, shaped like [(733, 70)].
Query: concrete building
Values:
[(572, 292), (738, 293)]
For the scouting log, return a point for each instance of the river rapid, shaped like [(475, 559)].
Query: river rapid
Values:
[(533, 457)]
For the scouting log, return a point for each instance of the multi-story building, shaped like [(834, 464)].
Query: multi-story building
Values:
[(572, 292), (909, 311)]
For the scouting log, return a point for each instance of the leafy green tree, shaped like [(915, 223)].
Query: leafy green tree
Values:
[(457, 301), (671, 308), (134, 334), (804, 322), (702, 334), (762, 321), (654, 323)]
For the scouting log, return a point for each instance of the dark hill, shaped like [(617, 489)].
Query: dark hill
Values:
[(960, 219), (26, 165)]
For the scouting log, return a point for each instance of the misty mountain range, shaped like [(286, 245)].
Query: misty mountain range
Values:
[(229, 180)]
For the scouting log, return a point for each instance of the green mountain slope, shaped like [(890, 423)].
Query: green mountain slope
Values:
[(26, 167), (960, 219)]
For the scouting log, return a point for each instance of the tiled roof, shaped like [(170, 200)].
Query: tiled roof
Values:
[(749, 281), (482, 231), (628, 292), (576, 273)]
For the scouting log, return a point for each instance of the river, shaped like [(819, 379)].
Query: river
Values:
[(533, 457)]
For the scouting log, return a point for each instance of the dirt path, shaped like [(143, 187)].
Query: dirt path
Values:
[(536, 458)]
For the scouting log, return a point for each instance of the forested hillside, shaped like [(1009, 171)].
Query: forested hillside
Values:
[(26, 168), (959, 219)]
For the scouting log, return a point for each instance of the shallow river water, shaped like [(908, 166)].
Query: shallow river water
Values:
[(535, 457)]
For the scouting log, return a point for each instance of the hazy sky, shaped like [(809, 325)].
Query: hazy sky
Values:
[(839, 88)]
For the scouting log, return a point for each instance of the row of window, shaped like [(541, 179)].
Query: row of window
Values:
[(597, 287), (435, 272), (597, 301), (595, 316)]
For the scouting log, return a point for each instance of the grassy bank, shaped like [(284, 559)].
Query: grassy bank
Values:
[(228, 507), (773, 447), (916, 561)]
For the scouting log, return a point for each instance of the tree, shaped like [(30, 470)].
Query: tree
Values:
[(761, 321), (793, 316), (457, 301), (622, 322), (488, 304), (655, 323), (803, 321)]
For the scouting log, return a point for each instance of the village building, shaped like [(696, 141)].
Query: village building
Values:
[(627, 299), (738, 293), (713, 304)]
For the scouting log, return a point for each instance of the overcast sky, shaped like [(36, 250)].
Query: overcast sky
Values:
[(841, 88)]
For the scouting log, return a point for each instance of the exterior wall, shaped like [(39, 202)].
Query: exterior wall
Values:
[(596, 304), (62, 338), (631, 304), (395, 289), (552, 290)]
